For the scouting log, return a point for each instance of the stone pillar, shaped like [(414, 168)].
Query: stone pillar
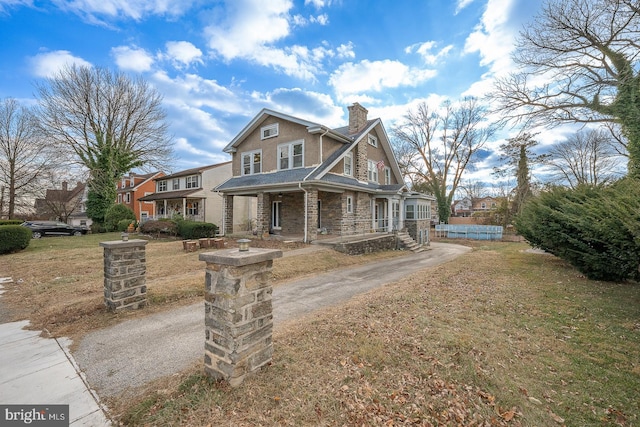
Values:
[(228, 214), (125, 266), (263, 221), (312, 215), (238, 312)]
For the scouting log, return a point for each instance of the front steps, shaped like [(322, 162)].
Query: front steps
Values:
[(408, 243)]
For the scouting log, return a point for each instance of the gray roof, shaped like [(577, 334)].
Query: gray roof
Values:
[(289, 176)]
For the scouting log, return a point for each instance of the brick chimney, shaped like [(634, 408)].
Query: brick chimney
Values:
[(357, 117)]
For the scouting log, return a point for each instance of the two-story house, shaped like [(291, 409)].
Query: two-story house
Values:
[(134, 186), (60, 204), (188, 194), (308, 178)]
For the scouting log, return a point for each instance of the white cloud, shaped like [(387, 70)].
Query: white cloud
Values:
[(319, 4), (425, 50), (462, 4), (132, 58), (49, 63), (132, 9), (375, 76), (183, 53), (320, 19), (251, 29), (493, 40), (346, 51), (6, 4)]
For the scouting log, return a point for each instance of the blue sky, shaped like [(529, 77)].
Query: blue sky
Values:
[(217, 63)]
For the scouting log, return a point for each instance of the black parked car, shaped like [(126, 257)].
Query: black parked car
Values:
[(53, 228)]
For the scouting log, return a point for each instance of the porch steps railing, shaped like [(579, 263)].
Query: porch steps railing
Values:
[(408, 243)]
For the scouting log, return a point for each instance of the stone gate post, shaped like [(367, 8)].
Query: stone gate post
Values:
[(238, 312), (125, 268)]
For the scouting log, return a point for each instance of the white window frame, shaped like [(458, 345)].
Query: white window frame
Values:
[(120, 198), (387, 175), (124, 182), (349, 204), (372, 140), (127, 197), (372, 171), (162, 186), (409, 212), (252, 164), (132, 181), (288, 149), (175, 184), (348, 164), (193, 210), (189, 181), (269, 131), (276, 215)]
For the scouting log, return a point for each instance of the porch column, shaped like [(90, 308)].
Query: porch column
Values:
[(401, 213), (264, 214), (312, 215), (164, 215), (184, 208), (227, 212), (389, 214)]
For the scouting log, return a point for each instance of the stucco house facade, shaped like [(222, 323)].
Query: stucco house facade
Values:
[(188, 194), (309, 179)]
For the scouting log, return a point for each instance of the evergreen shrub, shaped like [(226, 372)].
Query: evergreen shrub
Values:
[(14, 238)]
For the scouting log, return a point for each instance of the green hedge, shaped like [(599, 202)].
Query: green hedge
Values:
[(159, 227), (596, 229), (14, 238), (115, 214), (196, 230), (10, 222)]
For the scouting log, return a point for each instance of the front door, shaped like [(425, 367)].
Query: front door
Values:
[(276, 208)]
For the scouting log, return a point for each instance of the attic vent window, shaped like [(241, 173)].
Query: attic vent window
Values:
[(373, 140), (269, 131)]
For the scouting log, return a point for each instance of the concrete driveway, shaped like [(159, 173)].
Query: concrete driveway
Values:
[(135, 352)]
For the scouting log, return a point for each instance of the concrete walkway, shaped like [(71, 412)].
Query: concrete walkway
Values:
[(116, 360), (165, 343), (41, 371)]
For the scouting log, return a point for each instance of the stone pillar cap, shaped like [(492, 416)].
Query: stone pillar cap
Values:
[(122, 244), (235, 258)]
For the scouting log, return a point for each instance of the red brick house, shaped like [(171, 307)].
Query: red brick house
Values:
[(135, 186)]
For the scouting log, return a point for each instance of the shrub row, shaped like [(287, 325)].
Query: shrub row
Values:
[(11, 221), (14, 238), (596, 229), (196, 230)]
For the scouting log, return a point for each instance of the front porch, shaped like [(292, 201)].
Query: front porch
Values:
[(319, 215)]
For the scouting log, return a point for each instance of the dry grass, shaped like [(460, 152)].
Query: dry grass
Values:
[(499, 337), (58, 281)]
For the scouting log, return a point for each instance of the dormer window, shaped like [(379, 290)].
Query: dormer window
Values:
[(269, 131), (373, 140), (124, 182), (132, 181)]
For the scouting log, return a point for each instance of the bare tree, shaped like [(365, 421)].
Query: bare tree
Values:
[(110, 122), (579, 63), (586, 157), (25, 157), (438, 146)]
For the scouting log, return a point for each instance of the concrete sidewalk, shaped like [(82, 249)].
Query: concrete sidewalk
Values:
[(41, 371)]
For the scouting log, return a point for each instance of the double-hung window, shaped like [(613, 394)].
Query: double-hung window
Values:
[(349, 204), (372, 171), (162, 186), (252, 162), (291, 155), (372, 140), (176, 184), (192, 181), (387, 176), (348, 164)]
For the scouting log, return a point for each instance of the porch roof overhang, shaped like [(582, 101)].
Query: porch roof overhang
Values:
[(295, 179), (168, 195)]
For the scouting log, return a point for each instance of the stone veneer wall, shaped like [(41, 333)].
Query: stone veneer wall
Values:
[(374, 244), (228, 214), (238, 312), (263, 221), (124, 274), (416, 226)]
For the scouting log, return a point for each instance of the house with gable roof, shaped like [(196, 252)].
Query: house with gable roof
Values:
[(131, 188), (310, 179)]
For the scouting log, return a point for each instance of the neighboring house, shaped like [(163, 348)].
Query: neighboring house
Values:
[(466, 207), (309, 179), (188, 194), (79, 217), (134, 186), (60, 204)]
